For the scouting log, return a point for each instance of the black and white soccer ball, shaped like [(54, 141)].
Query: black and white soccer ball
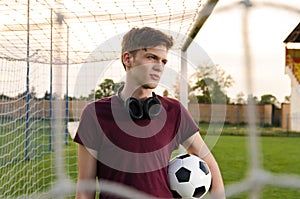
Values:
[(189, 176)]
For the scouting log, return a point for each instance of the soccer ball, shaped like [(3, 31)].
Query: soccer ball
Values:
[(189, 176)]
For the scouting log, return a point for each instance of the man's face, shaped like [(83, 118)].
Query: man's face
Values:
[(147, 66)]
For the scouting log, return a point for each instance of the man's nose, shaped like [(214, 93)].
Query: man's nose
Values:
[(159, 66)]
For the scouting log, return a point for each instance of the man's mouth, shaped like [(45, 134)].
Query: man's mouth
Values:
[(154, 76)]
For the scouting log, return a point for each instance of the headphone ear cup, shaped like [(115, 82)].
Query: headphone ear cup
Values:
[(134, 108), (152, 107)]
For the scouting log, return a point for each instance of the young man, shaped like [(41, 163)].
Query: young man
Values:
[(129, 138)]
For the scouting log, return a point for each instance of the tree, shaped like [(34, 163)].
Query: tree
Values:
[(4, 97), (22, 95), (166, 93), (107, 88), (211, 92), (216, 73), (208, 82), (191, 95), (252, 99), (287, 99), (32, 93), (210, 85), (91, 96), (240, 98), (47, 96), (268, 99)]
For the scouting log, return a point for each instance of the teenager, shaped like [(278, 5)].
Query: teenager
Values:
[(129, 138)]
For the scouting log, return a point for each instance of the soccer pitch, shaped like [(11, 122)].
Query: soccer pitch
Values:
[(279, 154)]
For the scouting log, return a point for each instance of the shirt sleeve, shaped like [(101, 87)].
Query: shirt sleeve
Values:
[(89, 133), (187, 125)]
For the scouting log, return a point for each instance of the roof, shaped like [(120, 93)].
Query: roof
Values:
[(294, 36)]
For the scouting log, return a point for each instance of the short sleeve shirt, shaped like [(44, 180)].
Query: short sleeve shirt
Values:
[(134, 153)]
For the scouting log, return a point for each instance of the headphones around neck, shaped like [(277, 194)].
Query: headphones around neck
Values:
[(147, 109)]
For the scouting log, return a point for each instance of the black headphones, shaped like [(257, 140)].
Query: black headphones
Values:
[(147, 109)]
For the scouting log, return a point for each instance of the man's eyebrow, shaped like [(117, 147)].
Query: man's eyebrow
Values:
[(156, 56), (150, 53)]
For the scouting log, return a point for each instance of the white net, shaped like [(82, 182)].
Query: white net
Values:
[(49, 49), (26, 166)]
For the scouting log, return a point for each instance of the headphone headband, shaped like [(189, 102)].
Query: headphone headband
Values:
[(148, 109)]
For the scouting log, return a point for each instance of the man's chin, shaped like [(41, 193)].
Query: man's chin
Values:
[(150, 86)]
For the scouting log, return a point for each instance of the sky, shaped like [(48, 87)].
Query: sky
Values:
[(221, 38)]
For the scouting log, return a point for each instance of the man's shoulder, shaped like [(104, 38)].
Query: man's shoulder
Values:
[(104, 100), (169, 101), (99, 102)]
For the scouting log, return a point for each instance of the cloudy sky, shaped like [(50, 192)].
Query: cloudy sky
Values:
[(222, 38)]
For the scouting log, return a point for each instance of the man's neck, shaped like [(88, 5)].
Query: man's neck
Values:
[(138, 92)]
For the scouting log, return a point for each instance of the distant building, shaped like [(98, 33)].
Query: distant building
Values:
[(292, 69)]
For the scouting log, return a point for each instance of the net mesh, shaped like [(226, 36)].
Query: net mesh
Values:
[(42, 42), (85, 25)]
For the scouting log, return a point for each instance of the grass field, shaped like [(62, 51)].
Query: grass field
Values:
[(279, 154)]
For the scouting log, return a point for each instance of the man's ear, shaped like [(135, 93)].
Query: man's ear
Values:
[(126, 59)]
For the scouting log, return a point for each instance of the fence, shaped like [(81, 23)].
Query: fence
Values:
[(266, 114)]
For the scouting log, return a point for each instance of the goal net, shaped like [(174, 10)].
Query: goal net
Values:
[(53, 56)]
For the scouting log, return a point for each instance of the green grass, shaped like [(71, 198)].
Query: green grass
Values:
[(279, 155), (23, 176), (16, 145), (280, 152), (242, 130)]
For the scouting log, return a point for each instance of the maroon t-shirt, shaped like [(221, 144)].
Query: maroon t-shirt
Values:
[(134, 153)]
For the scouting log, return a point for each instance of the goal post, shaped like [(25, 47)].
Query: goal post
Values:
[(44, 45), (54, 54)]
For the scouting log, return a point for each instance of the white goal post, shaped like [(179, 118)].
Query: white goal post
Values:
[(53, 55)]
